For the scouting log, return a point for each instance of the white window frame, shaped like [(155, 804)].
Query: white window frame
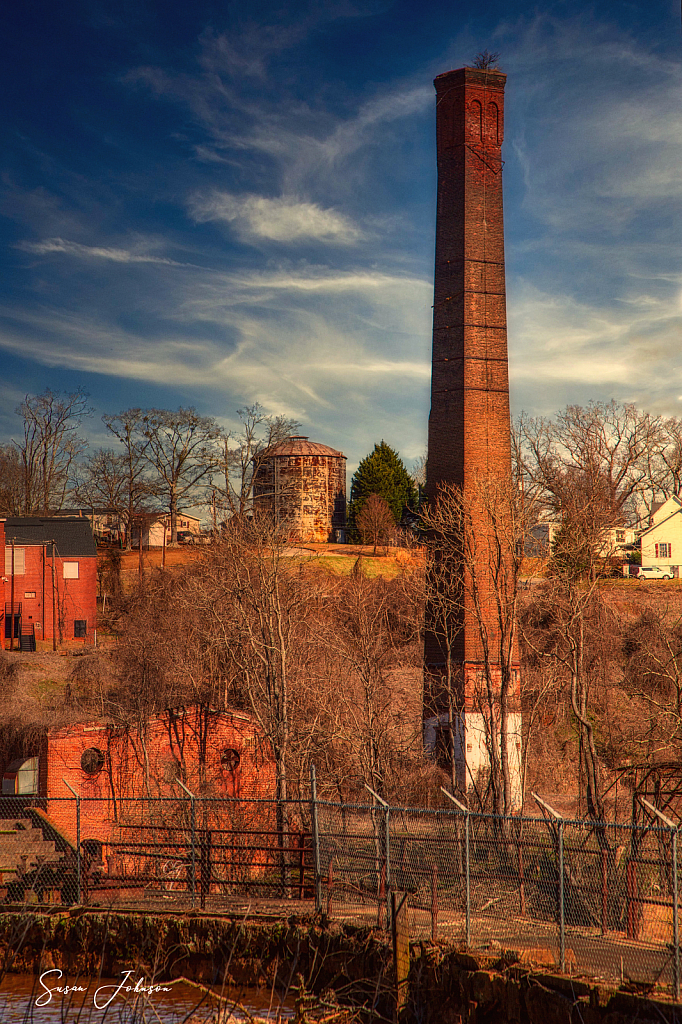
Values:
[(70, 570)]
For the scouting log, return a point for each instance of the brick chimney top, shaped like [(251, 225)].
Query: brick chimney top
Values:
[(477, 76)]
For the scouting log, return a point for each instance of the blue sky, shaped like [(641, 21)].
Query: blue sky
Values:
[(213, 204)]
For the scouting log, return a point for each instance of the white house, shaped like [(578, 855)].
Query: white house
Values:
[(152, 531), (662, 541), (612, 543)]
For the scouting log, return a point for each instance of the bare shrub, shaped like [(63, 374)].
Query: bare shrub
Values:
[(375, 521)]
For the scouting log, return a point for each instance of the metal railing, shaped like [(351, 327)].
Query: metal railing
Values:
[(579, 896)]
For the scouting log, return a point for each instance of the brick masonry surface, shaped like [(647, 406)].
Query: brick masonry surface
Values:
[(75, 600), (469, 434), (216, 754)]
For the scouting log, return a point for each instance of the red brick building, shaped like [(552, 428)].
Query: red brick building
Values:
[(216, 754), (50, 580), (469, 427)]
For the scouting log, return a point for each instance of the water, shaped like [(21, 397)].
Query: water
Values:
[(25, 1000)]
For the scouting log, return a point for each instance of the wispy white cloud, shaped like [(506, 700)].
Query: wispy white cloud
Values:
[(309, 340), (51, 246), (561, 346), (601, 123), (312, 151), (280, 220)]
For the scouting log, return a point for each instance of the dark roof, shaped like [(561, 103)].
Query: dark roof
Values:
[(73, 536), (299, 445), (86, 511)]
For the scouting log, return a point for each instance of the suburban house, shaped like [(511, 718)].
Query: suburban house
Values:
[(50, 580), (153, 530), (662, 540), (106, 523), (614, 542)]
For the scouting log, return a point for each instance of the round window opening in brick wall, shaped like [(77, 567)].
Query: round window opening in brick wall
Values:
[(92, 761), (230, 759)]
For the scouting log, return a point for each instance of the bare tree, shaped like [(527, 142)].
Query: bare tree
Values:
[(569, 624), (49, 447), (136, 489), (372, 622), (181, 449), (11, 481), (418, 473), (664, 465), (572, 610), (240, 454), (100, 482), (486, 61), (474, 558), (375, 521), (653, 673), (607, 445), (445, 615), (262, 626)]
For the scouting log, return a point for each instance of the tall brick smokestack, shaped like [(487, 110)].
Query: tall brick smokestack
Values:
[(469, 432)]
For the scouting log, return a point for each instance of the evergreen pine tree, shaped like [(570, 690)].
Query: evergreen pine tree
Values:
[(381, 472)]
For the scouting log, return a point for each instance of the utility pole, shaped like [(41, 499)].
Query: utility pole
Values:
[(11, 613), (54, 623), (42, 604)]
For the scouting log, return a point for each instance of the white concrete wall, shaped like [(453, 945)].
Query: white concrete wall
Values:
[(472, 761), (475, 759)]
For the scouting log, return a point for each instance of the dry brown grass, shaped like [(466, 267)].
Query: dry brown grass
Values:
[(337, 558)]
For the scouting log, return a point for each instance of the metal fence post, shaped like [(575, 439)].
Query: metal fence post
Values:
[(562, 921), (676, 922), (434, 903), (387, 854), (193, 854), (546, 809), (467, 875), (78, 840), (316, 839), (387, 848)]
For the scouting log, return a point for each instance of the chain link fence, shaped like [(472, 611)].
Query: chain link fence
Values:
[(588, 898), (164, 853), (599, 899)]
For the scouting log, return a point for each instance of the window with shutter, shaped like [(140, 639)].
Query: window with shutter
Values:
[(19, 561)]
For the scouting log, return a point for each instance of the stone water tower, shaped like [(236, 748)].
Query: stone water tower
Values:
[(302, 484)]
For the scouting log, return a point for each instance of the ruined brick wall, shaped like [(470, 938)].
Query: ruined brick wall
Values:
[(215, 753), (469, 431), (303, 485)]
